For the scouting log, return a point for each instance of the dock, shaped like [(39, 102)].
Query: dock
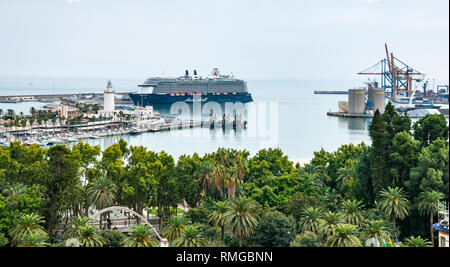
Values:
[(192, 124), (348, 115), (317, 92)]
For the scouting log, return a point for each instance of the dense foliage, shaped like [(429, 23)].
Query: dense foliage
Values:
[(392, 189)]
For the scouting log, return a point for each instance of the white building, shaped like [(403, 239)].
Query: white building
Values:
[(108, 102)]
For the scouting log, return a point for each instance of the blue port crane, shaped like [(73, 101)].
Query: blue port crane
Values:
[(396, 76)]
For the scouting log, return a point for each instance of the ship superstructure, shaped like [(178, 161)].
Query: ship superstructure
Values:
[(214, 87)]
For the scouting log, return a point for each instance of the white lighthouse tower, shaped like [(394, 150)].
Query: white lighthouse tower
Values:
[(108, 99)]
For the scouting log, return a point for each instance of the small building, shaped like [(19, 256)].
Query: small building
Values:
[(442, 228), (137, 112), (67, 111), (144, 112), (62, 110)]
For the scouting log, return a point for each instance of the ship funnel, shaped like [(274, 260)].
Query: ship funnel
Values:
[(187, 73), (195, 72)]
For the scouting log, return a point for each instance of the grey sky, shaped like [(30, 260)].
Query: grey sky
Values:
[(269, 39)]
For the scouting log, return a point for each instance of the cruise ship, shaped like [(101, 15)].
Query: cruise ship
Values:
[(189, 88)]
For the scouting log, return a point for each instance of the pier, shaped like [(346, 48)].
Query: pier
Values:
[(45, 97), (348, 115), (330, 92)]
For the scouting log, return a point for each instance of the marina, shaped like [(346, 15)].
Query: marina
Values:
[(61, 134)]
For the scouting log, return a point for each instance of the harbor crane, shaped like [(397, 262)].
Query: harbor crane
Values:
[(396, 76)]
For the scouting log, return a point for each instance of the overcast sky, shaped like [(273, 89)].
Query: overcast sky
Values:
[(254, 39)]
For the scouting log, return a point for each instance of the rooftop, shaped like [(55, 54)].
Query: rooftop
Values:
[(441, 226)]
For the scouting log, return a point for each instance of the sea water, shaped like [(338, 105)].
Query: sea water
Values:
[(285, 114)]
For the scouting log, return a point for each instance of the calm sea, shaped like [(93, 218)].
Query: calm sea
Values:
[(285, 114)]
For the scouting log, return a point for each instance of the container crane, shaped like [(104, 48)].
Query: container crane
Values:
[(396, 76)]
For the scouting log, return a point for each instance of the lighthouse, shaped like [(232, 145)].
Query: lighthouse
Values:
[(108, 99)]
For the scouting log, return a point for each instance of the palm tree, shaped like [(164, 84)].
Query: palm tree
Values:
[(417, 242), (32, 111), (140, 236), (31, 120), (53, 123), (3, 240), (346, 179), (219, 173), (10, 113), (205, 175), (220, 169), (26, 224), (90, 237), (376, 229), (310, 220), (394, 203), (430, 204), (34, 240), (121, 114), (45, 121), (229, 170), (101, 193), (7, 125), (174, 227), (78, 223), (241, 219), (344, 236), (312, 181), (236, 171), (15, 190), (191, 237), (329, 220), (230, 181), (352, 210), (217, 217)]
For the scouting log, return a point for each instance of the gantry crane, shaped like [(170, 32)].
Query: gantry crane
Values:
[(396, 76)]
